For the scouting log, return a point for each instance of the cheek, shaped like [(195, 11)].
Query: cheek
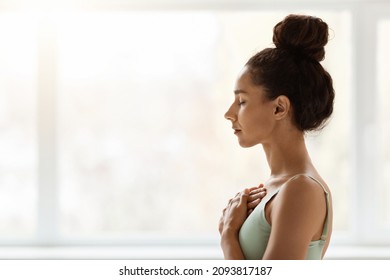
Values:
[(254, 117), (261, 124)]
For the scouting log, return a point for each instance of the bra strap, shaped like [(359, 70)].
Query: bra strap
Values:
[(326, 225)]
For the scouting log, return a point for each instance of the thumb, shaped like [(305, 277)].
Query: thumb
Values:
[(244, 197)]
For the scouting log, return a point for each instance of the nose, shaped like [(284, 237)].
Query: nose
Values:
[(229, 115)]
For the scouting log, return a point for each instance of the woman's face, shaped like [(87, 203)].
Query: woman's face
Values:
[(251, 113)]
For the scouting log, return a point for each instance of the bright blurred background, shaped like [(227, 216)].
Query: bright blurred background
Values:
[(112, 137)]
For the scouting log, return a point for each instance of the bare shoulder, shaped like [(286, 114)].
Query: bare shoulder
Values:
[(301, 200), (299, 210), (303, 187)]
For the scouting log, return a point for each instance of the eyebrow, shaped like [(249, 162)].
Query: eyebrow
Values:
[(238, 91)]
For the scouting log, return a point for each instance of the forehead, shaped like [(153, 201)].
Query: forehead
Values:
[(244, 82), (244, 77)]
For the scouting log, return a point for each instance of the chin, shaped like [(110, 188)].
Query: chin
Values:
[(246, 144)]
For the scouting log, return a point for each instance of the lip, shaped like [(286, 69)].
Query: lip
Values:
[(236, 130)]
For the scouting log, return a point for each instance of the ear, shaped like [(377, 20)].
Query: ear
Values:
[(282, 107)]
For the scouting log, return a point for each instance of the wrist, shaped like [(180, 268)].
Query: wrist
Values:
[(230, 246), (228, 235)]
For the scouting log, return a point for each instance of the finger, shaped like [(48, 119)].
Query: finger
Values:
[(244, 197), (253, 197), (253, 189), (257, 187), (234, 198), (234, 201), (257, 190), (237, 197), (258, 193), (253, 204)]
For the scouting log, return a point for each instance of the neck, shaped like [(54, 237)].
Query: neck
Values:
[(287, 155)]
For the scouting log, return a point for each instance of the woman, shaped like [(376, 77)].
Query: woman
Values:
[(280, 94)]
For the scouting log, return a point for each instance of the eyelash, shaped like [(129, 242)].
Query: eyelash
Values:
[(241, 103)]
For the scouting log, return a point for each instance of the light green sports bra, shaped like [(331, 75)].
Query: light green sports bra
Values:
[(255, 232)]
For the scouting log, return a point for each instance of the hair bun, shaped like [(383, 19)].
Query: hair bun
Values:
[(303, 35)]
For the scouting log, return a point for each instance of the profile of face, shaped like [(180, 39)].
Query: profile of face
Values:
[(253, 116)]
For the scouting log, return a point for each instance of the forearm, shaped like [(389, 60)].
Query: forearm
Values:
[(231, 247)]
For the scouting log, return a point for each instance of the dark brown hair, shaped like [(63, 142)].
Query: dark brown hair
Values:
[(293, 69)]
